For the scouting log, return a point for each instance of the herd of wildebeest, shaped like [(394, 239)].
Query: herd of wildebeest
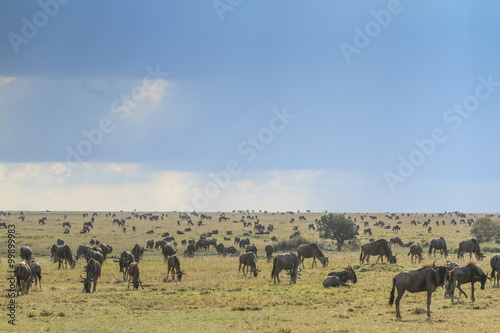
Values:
[(451, 276)]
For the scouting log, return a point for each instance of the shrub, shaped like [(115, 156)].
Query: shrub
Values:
[(485, 229)]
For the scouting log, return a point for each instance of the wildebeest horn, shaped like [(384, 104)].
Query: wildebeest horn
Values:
[(434, 264), (82, 277)]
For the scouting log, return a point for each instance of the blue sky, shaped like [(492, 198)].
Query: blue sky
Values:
[(174, 91)]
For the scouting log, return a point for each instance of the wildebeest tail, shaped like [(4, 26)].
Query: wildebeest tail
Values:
[(391, 299), (430, 249), (361, 255)]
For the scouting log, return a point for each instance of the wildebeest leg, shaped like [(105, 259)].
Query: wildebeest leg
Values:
[(95, 284), (472, 291), (398, 299), (314, 263), (429, 297), (463, 292)]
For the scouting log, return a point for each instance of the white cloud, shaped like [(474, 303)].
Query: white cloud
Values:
[(5, 80)]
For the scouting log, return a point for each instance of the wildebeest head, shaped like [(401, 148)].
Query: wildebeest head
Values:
[(439, 273), (87, 283), (180, 274), (392, 259), (324, 261)]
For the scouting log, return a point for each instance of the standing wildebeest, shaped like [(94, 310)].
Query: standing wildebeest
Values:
[(60, 242), (105, 250), (150, 244), (220, 248), (396, 228), (470, 273), (311, 251), (167, 251), (126, 258), (36, 273), (269, 252), (93, 270), (244, 242), (248, 261), (134, 275), (251, 248), (416, 251), (289, 262), (26, 253), (191, 249), (449, 267), (96, 256), (367, 231), (427, 278), (66, 224), (64, 253), (22, 272), (174, 266), (333, 281), (396, 240), (82, 251), (380, 248), (137, 251), (438, 244), (345, 275), (495, 266), (471, 246)]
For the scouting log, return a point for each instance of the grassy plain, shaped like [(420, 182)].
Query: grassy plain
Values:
[(213, 297)]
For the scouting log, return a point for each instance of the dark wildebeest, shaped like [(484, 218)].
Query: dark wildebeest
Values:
[(191, 249), (64, 253), (333, 281), (287, 261), (377, 248), (244, 242), (345, 275), (96, 256), (3, 225), (311, 251), (471, 246), (26, 253), (470, 273), (396, 240), (82, 251), (236, 240), (251, 248), (248, 261), (66, 224), (269, 252), (93, 270), (220, 248), (427, 278), (105, 250), (150, 244), (167, 251), (416, 251), (126, 258), (134, 274), (22, 272), (137, 251), (396, 228), (174, 266), (495, 267), (367, 231), (311, 226), (449, 267), (36, 273), (60, 242), (231, 250), (438, 244)]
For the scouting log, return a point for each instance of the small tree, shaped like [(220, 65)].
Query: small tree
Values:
[(336, 227), (485, 229)]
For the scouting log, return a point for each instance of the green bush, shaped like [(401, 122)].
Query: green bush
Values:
[(293, 243), (485, 229)]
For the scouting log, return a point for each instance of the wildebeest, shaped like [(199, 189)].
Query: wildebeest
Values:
[(380, 247), (470, 273), (251, 248), (333, 281), (311, 251), (427, 278), (126, 258), (244, 242), (287, 261), (248, 260), (191, 249), (66, 224), (134, 274), (96, 256), (495, 267), (26, 253), (269, 252), (167, 251), (396, 240), (137, 251), (220, 248), (36, 273), (22, 272), (82, 251), (174, 266), (449, 266), (93, 270), (471, 246), (367, 231), (396, 228), (345, 275), (64, 253), (438, 244), (230, 250), (150, 244), (3, 225), (416, 251), (105, 250), (60, 242)]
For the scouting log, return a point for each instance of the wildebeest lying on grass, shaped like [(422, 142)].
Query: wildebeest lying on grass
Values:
[(289, 262), (333, 281), (470, 273), (495, 267), (134, 274), (22, 272), (93, 270), (427, 278), (345, 275), (174, 266)]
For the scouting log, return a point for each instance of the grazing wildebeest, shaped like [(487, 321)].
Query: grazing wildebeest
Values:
[(22, 272), (311, 226), (427, 278), (150, 244), (105, 250), (449, 267), (248, 261), (396, 228), (36, 273), (287, 261), (380, 247), (126, 258), (3, 224), (191, 249), (367, 231), (137, 251), (333, 281), (311, 251), (174, 266), (230, 250), (88, 225), (251, 248), (60, 242), (167, 251), (471, 246), (26, 253), (220, 248), (345, 275), (470, 273), (416, 251), (134, 274), (438, 244), (66, 224), (269, 252), (495, 267), (96, 256), (396, 240), (64, 253), (93, 270), (82, 251), (244, 242)]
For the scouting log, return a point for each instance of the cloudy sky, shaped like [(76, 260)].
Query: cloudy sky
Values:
[(347, 106)]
